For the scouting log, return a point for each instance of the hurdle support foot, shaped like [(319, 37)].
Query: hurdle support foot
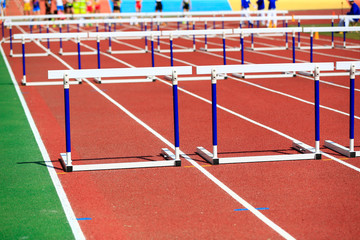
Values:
[(340, 149), (310, 74), (304, 148), (168, 155), (208, 156), (63, 161)]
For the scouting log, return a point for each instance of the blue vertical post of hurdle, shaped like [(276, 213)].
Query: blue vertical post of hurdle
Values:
[(224, 48), (146, 42), (214, 117), (11, 46), (176, 116), (311, 45), (68, 164), (352, 110), (171, 50), (60, 41), (152, 51), (79, 55), (317, 112), (23, 81), (242, 47), (293, 46)]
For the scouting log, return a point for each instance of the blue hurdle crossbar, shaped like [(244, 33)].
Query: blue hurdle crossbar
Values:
[(171, 159), (308, 152), (349, 152)]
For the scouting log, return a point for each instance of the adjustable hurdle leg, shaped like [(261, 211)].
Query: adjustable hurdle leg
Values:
[(66, 157), (165, 152), (299, 45), (286, 37), (98, 80), (349, 152), (212, 157), (60, 41), (79, 57), (11, 47), (317, 112), (171, 51), (152, 51), (48, 41), (146, 42), (158, 37), (23, 81), (332, 35), (311, 46), (224, 49), (194, 42)]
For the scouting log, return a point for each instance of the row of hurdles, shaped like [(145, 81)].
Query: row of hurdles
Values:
[(173, 159), (242, 32), (108, 22)]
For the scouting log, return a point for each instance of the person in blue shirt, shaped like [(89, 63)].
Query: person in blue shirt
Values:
[(272, 13), (355, 10), (261, 7), (245, 9)]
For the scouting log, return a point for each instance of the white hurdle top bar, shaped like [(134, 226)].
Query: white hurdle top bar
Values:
[(267, 30), (118, 72), (345, 65), (125, 34), (330, 29), (258, 68), (196, 32), (50, 35)]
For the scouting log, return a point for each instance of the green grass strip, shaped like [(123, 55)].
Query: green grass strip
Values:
[(29, 205)]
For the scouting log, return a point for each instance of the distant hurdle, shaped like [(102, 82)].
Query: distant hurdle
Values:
[(349, 152), (307, 152), (174, 159), (312, 30), (48, 36), (136, 34)]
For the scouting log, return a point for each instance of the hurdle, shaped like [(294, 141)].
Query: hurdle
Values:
[(306, 152), (41, 36), (251, 31), (349, 152), (136, 34), (308, 17), (171, 159)]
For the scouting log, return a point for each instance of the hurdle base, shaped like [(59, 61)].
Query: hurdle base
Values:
[(102, 81), (307, 153), (282, 75), (63, 161), (309, 74), (113, 166), (168, 155), (304, 148), (340, 149), (57, 83)]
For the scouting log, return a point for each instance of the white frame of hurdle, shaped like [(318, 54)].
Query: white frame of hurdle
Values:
[(172, 159), (349, 152), (307, 152), (312, 30), (48, 36)]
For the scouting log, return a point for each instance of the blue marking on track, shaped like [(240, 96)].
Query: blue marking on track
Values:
[(245, 209), (82, 219)]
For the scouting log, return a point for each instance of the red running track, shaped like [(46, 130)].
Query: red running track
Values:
[(315, 199)]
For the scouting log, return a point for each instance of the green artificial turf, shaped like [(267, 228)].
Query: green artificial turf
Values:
[(29, 205)]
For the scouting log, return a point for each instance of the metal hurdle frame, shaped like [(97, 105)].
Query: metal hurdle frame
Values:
[(137, 34), (308, 17), (126, 35), (312, 30), (42, 36), (349, 152), (250, 31), (307, 152), (171, 159)]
